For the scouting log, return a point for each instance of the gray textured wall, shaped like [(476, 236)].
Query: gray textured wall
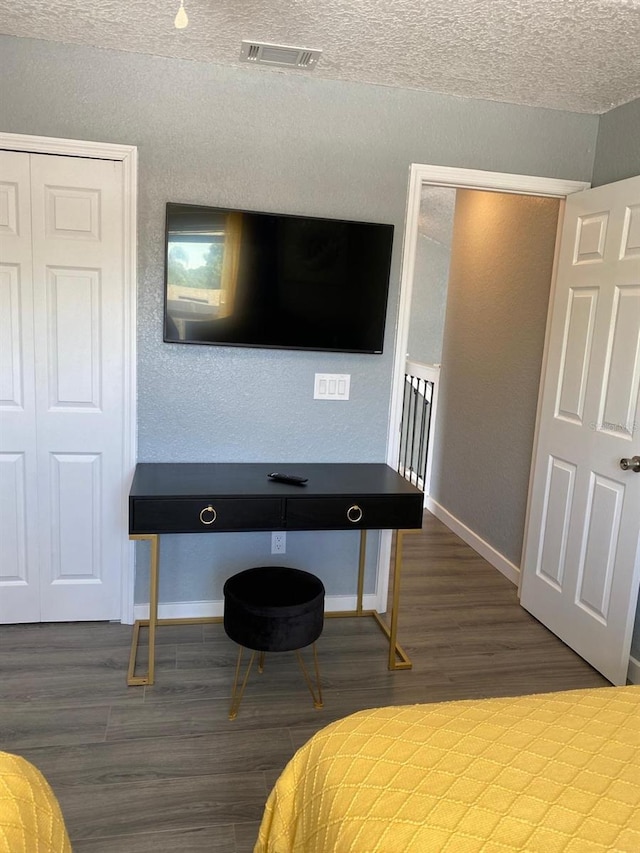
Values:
[(428, 302), (500, 276), (618, 146), (259, 139), (431, 274)]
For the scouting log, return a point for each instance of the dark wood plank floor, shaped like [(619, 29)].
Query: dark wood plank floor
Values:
[(162, 769)]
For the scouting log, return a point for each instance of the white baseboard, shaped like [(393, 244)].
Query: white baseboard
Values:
[(490, 554), (181, 610), (206, 609), (633, 673)]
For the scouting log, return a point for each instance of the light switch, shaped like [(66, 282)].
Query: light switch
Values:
[(331, 386)]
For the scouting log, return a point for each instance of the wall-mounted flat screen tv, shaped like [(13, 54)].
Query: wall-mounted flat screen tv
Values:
[(239, 278)]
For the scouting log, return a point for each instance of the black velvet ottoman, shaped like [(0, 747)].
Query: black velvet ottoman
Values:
[(273, 609)]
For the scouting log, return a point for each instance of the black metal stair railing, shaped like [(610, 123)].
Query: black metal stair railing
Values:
[(415, 428)]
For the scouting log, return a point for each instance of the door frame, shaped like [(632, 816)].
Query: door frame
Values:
[(456, 178), (128, 156)]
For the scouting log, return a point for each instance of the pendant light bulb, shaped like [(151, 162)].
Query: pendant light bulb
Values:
[(181, 20)]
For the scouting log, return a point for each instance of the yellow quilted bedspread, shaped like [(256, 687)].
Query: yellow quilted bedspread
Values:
[(30, 817), (553, 773)]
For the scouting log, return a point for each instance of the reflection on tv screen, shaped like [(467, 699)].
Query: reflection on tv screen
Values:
[(258, 279)]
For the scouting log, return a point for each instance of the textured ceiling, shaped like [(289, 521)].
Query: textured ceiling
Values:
[(578, 55)]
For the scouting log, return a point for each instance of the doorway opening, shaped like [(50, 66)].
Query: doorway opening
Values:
[(425, 176), (501, 474)]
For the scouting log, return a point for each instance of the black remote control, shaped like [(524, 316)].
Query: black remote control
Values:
[(294, 479)]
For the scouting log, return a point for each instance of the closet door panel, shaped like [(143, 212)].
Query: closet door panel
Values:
[(19, 505), (79, 324)]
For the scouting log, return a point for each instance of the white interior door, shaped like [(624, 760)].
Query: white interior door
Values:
[(581, 564), (63, 384), (19, 581)]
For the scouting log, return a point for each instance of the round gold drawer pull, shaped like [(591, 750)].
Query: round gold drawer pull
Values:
[(354, 514), (211, 510)]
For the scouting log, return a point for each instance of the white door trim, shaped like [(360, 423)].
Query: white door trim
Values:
[(128, 156), (441, 176)]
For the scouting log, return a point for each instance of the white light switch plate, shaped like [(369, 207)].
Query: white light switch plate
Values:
[(331, 386)]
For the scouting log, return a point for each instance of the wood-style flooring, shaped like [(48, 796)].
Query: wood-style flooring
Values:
[(161, 769)]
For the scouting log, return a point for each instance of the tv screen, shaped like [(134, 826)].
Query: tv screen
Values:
[(238, 278)]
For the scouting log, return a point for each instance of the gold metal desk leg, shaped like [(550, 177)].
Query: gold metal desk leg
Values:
[(152, 621), (395, 609), (398, 658)]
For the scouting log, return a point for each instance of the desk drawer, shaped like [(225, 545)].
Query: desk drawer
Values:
[(204, 515), (376, 513)]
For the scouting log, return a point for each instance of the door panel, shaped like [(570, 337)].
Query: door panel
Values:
[(19, 573), (14, 569), (11, 335), (76, 485), (599, 546), (63, 374), (581, 565), (74, 323), (622, 364), (631, 233), (576, 353), (559, 490), (79, 294)]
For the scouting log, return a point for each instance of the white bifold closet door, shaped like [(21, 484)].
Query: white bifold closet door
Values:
[(62, 387)]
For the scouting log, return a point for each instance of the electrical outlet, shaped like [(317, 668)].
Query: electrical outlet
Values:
[(279, 542)]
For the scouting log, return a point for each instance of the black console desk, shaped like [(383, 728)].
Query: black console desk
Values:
[(195, 497)]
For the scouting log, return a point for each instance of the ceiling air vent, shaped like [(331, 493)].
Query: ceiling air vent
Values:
[(281, 55)]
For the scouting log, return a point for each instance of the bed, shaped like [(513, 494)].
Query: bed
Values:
[(30, 816), (548, 773)]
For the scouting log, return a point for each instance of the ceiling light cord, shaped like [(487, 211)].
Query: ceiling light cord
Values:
[(181, 20)]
